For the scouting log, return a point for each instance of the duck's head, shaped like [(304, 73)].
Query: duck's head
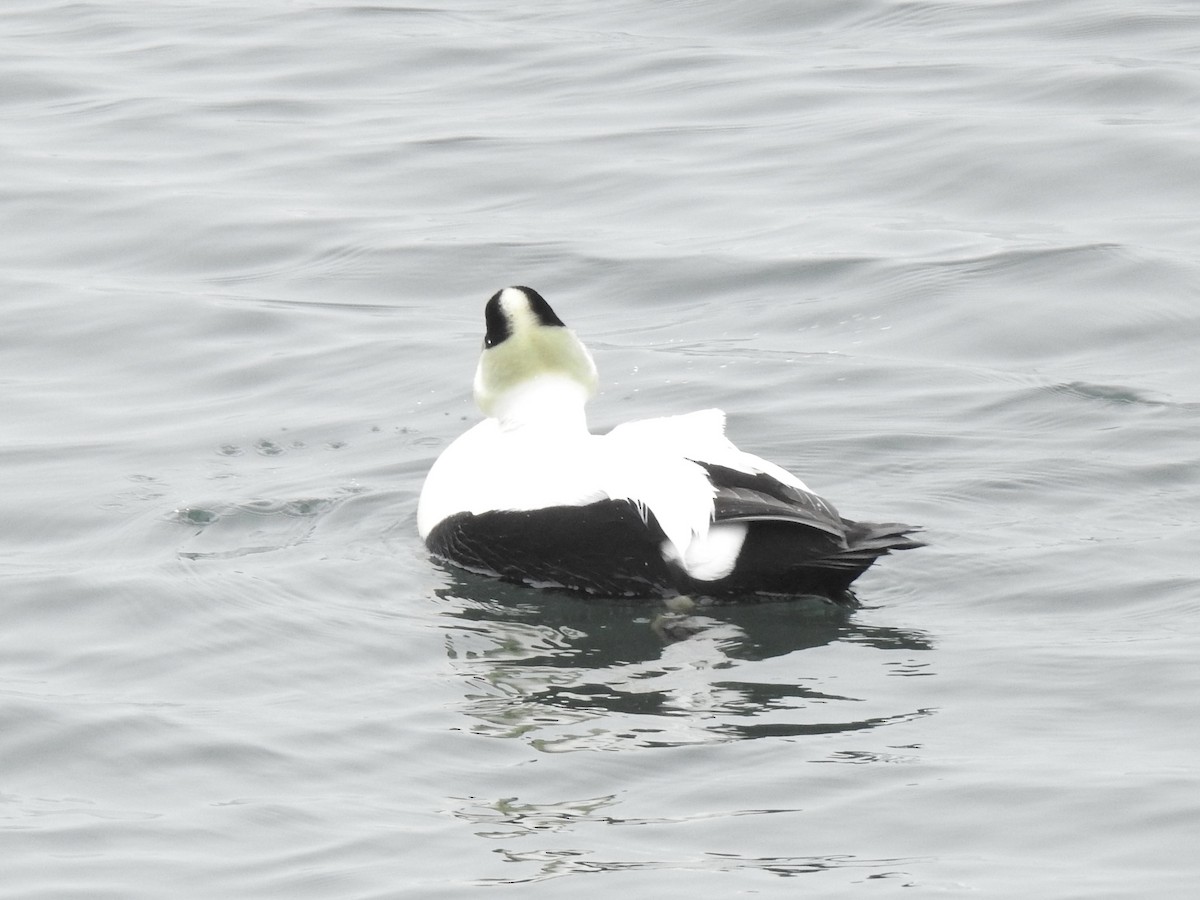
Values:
[(533, 367)]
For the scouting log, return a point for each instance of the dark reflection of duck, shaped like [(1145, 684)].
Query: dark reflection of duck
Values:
[(546, 665)]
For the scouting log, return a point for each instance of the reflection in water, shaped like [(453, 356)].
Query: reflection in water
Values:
[(508, 820), (557, 863), (565, 672)]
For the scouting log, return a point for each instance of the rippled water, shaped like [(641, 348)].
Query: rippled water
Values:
[(939, 259)]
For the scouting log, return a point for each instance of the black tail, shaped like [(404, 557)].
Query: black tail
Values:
[(787, 558), (866, 542)]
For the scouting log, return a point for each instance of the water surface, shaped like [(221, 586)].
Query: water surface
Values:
[(938, 259)]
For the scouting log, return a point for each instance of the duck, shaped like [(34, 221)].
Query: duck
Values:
[(654, 508)]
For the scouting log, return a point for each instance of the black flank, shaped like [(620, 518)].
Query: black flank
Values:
[(603, 548)]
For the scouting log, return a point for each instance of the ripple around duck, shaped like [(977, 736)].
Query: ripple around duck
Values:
[(1112, 393), (255, 526)]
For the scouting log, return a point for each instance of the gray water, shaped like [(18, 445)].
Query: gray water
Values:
[(939, 259)]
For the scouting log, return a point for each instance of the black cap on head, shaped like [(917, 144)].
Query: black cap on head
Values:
[(496, 319)]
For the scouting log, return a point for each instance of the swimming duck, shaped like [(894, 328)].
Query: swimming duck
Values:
[(655, 508)]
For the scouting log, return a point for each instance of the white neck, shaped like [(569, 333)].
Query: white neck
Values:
[(551, 401)]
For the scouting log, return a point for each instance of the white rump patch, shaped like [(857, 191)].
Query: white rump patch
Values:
[(712, 556)]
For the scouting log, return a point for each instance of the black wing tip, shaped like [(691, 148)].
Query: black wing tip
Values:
[(894, 535)]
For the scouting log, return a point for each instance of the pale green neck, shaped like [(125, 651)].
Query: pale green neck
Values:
[(540, 376)]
